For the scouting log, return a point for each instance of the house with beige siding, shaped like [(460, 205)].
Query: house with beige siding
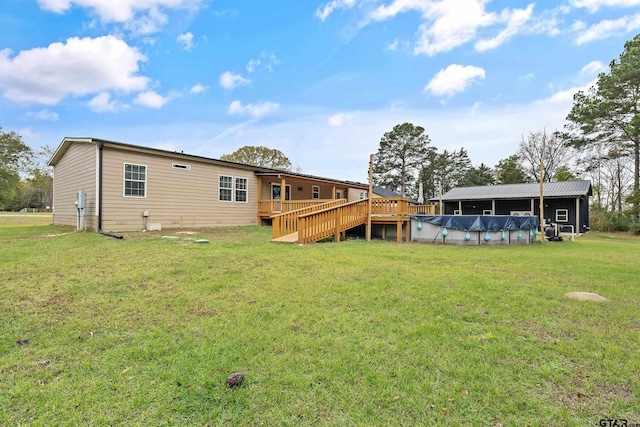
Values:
[(130, 187)]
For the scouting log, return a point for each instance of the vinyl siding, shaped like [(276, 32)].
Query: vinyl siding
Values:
[(326, 190), (76, 170), (354, 194), (175, 198)]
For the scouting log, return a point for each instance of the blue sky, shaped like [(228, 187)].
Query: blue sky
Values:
[(319, 80)]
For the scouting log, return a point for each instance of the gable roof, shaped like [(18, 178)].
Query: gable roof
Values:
[(381, 191), (390, 194), (67, 141), (580, 188)]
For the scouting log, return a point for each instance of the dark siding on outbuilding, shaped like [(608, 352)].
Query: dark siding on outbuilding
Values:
[(570, 195)]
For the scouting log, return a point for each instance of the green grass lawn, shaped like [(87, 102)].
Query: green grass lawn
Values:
[(145, 331)]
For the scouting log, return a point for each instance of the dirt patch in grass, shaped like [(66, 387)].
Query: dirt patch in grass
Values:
[(594, 398), (537, 331)]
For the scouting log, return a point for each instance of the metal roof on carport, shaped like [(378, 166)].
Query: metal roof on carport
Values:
[(562, 189)]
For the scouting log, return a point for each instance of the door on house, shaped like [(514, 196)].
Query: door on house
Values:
[(276, 192), (338, 194), (276, 195)]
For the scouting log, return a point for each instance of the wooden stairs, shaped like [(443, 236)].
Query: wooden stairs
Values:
[(334, 218)]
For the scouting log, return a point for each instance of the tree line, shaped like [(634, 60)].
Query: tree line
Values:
[(406, 159), (25, 179)]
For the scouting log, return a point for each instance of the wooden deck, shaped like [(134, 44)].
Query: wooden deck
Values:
[(287, 238), (333, 218)]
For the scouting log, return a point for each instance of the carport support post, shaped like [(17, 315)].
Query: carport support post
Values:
[(541, 206), (577, 228)]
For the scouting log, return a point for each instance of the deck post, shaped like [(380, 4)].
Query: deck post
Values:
[(337, 225), (283, 194), (399, 231), (369, 197), (259, 198)]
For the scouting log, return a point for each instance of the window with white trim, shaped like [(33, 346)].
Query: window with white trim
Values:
[(135, 180), (487, 212), (225, 190), (562, 215), (233, 189), (242, 185), (363, 195), (315, 192)]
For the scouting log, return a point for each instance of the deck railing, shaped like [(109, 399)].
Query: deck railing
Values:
[(269, 206), (422, 209), (287, 223), (321, 224), (390, 206)]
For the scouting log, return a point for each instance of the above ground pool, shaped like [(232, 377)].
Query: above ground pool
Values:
[(475, 229)]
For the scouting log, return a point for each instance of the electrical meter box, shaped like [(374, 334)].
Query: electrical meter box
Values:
[(81, 201)]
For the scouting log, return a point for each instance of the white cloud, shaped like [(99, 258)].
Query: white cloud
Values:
[(78, 67), (594, 5), (565, 97), (549, 21), (516, 20), (186, 40), (327, 9), (393, 46), (578, 26), (453, 79), (229, 80), (266, 60), (338, 120), (593, 68), (44, 115), (198, 88), (447, 25), (255, 110), (253, 63), (102, 103), (150, 23), (151, 99), (151, 41), (609, 28), (143, 16)]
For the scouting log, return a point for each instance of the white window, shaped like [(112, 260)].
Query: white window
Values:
[(363, 195), (315, 192), (233, 189), (562, 215), (225, 190), (135, 180), (487, 212), (457, 212), (242, 185)]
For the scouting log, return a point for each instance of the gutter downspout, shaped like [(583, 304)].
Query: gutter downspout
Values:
[(117, 236)]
